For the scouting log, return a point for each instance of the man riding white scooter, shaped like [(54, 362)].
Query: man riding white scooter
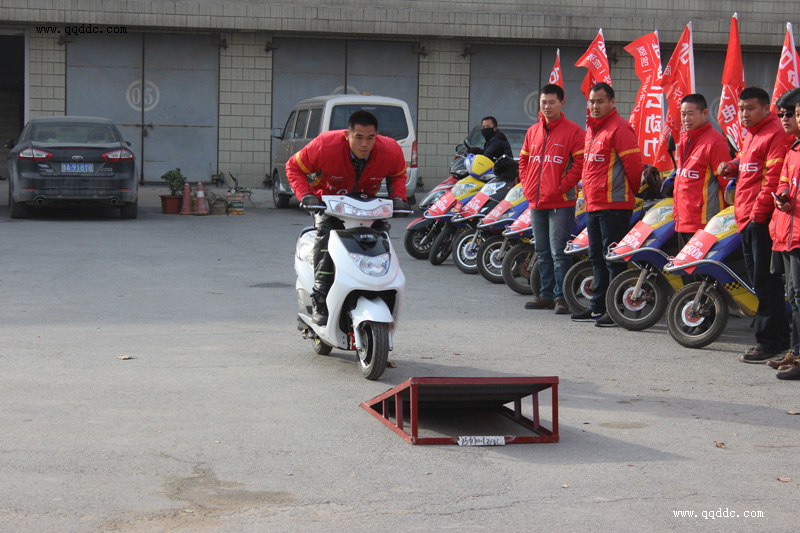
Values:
[(340, 162)]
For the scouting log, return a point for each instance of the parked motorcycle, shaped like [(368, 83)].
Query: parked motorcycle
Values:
[(466, 245), (698, 313), (637, 298), (480, 169), (493, 249), (421, 232), (365, 299)]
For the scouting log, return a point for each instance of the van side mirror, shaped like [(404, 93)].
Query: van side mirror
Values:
[(128, 143), (277, 133), (10, 144)]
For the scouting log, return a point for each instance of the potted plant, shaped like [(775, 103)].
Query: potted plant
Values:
[(171, 203), (235, 197)]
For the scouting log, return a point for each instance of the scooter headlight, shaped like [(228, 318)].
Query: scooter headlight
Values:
[(372, 265), (491, 188), (343, 208), (580, 205), (431, 197), (460, 188), (721, 224), (515, 194), (657, 215)]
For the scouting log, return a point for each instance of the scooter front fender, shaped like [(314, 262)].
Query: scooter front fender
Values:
[(372, 310), (420, 222)]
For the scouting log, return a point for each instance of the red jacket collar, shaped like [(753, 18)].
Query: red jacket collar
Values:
[(598, 123), (769, 118), (553, 124), (696, 133)]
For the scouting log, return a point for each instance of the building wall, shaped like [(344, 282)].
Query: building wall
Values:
[(47, 78), (245, 107)]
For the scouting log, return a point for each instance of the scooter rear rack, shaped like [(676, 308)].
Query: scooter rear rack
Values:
[(466, 396)]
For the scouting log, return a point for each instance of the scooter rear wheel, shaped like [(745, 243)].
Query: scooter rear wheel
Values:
[(578, 286), (321, 347), (536, 278), (374, 352), (442, 245), (643, 312), (696, 330), (465, 252), (517, 266), (489, 264), (413, 244)]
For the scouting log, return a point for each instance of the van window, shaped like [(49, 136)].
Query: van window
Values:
[(288, 130), (391, 119), (300, 128), (314, 123)]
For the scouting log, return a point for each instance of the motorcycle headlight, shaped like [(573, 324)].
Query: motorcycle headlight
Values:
[(372, 265), (343, 208), (491, 188), (460, 189), (721, 224), (431, 197), (580, 205)]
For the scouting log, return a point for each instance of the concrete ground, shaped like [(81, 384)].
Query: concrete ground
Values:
[(152, 379)]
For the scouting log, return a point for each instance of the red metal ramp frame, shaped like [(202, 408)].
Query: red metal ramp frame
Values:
[(466, 393)]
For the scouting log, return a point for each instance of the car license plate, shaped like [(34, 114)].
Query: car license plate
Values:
[(77, 167)]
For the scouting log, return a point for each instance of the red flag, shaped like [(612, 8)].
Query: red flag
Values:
[(596, 60), (788, 75), (646, 115), (732, 86), (678, 81), (555, 74)]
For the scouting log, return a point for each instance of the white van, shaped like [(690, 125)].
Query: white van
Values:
[(324, 113)]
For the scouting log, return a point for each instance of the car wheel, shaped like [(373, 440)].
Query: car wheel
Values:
[(281, 201), (130, 210)]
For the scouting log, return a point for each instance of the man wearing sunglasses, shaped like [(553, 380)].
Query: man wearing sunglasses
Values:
[(757, 172)]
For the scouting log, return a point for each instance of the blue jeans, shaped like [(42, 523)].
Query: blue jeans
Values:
[(772, 331), (551, 231), (605, 227), (791, 265)]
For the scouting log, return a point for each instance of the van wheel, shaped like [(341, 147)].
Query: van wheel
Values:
[(281, 201)]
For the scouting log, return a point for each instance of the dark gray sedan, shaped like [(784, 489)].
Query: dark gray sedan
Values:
[(71, 161)]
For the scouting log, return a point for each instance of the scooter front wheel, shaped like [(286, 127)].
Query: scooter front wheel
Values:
[(700, 328), (465, 252), (442, 245), (490, 266), (578, 283), (374, 352), (637, 314), (517, 266), (413, 241)]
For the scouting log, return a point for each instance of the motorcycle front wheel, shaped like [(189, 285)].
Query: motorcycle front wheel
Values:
[(413, 241), (442, 245), (374, 352), (578, 286), (640, 313), (465, 252), (696, 330), (517, 266), (489, 263)]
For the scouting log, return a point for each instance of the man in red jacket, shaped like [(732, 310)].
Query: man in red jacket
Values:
[(612, 174), (344, 161), (698, 194), (757, 172), (550, 166)]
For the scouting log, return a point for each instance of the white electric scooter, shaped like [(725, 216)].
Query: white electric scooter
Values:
[(367, 292)]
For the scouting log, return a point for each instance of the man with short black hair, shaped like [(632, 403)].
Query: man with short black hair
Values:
[(612, 174), (550, 166), (496, 144), (698, 193), (757, 172), (344, 161)]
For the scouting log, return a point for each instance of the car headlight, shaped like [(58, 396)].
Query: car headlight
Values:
[(491, 188), (372, 265), (343, 208)]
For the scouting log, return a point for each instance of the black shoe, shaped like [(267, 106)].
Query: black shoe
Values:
[(586, 316), (605, 322), (758, 355), (319, 309)]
